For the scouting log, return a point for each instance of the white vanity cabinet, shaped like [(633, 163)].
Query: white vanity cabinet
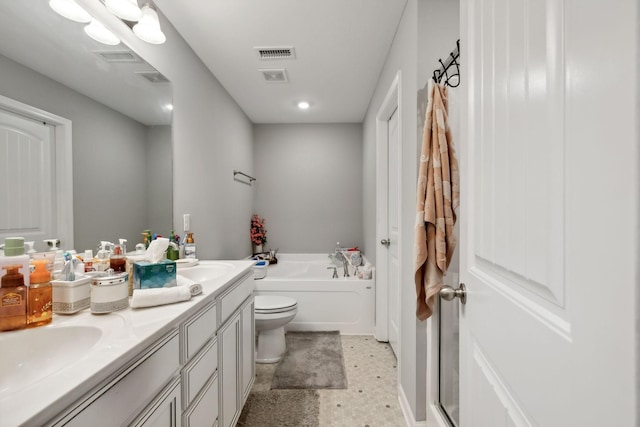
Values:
[(134, 393), (236, 341), (198, 373)]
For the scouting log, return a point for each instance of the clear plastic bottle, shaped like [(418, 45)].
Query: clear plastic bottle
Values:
[(190, 246), (40, 302)]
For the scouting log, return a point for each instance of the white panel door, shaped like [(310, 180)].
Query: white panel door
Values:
[(549, 233), (394, 228), (27, 178)]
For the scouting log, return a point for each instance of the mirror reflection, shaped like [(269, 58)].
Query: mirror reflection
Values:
[(120, 110)]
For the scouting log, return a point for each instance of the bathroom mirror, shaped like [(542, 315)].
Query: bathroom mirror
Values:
[(120, 108)]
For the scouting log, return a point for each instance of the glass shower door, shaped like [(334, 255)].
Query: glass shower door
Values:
[(449, 368)]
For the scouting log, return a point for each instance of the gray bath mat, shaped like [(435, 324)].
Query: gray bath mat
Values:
[(281, 408), (313, 360)]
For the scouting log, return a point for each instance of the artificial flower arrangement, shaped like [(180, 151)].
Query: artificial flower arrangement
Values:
[(257, 230)]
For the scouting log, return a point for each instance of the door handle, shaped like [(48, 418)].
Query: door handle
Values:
[(447, 293), (385, 242)]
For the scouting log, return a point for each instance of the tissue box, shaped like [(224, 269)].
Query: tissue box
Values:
[(154, 275)]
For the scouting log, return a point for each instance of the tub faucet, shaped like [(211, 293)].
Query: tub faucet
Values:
[(335, 272), (345, 264)]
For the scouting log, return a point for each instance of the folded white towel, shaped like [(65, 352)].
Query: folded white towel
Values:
[(195, 288), (159, 296)]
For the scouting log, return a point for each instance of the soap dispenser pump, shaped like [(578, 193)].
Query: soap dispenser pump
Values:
[(40, 303), (190, 246), (13, 299)]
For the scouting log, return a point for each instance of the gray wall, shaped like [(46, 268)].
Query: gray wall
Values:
[(428, 30), (159, 168), (100, 136), (309, 185), (211, 137)]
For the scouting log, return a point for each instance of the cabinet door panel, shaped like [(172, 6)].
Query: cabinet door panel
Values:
[(248, 348), (165, 412), (228, 342)]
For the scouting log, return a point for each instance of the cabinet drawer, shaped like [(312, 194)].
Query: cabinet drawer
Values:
[(204, 411), (198, 371), (198, 330), (127, 394), (233, 298)]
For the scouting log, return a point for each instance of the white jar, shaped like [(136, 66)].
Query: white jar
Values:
[(109, 293)]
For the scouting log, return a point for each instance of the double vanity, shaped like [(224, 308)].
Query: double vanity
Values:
[(183, 364)]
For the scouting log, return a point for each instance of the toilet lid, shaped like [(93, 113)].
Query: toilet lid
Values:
[(274, 303)]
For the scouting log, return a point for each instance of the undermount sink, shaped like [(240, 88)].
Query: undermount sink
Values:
[(29, 355), (206, 271)]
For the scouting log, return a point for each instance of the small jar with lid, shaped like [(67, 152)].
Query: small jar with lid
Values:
[(109, 293)]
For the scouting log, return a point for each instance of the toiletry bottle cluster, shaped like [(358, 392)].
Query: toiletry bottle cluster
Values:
[(25, 295)]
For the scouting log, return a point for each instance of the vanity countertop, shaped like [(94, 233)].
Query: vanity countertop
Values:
[(40, 375)]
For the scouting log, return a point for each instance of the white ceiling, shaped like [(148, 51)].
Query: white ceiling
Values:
[(341, 46)]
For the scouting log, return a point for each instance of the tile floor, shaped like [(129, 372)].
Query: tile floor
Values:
[(371, 397)]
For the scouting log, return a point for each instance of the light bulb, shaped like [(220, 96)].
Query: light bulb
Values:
[(70, 10), (100, 33), (148, 28), (124, 9)]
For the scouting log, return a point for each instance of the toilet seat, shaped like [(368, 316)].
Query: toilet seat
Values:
[(270, 304)]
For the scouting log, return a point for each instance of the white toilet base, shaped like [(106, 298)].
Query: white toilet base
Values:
[(271, 345)]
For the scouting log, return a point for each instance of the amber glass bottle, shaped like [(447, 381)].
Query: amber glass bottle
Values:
[(13, 299), (39, 306)]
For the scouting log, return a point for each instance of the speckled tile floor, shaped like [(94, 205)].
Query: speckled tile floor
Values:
[(371, 397)]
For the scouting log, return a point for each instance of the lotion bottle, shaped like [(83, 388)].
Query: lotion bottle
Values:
[(13, 299), (190, 246), (40, 302)]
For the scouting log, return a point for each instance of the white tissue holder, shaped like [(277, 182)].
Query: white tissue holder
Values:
[(260, 269), (71, 296)]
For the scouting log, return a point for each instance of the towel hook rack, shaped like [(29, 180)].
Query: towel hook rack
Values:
[(453, 79), (251, 179)]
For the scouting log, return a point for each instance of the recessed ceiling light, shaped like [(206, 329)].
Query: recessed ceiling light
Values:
[(303, 105)]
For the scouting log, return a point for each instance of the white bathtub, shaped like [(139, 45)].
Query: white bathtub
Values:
[(324, 304)]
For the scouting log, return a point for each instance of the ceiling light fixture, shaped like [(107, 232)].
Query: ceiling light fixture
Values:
[(303, 105), (148, 28), (124, 9), (100, 33), (70, 10)]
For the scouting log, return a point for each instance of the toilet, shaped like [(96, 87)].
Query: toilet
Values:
[(272, 313)]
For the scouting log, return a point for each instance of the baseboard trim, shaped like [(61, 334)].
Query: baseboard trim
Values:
[(409, 418)]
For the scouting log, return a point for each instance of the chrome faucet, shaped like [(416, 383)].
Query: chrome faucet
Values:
[(345, 264), (335, 272)]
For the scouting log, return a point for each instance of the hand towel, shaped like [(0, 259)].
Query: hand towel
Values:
[(195, 288), (159, 296), (438, 195)]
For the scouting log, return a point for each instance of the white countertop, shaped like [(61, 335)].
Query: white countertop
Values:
[(124, 334)]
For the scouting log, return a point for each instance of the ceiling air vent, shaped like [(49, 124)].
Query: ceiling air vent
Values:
[(274, 75), (119, 56), (271, 53), (153, 76)]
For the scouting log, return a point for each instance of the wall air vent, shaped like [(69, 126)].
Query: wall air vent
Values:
[(153, 76), (274, 75), (119, 56), (271, 53)]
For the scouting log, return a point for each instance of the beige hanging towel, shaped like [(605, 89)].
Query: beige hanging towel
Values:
[(438, 197)]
